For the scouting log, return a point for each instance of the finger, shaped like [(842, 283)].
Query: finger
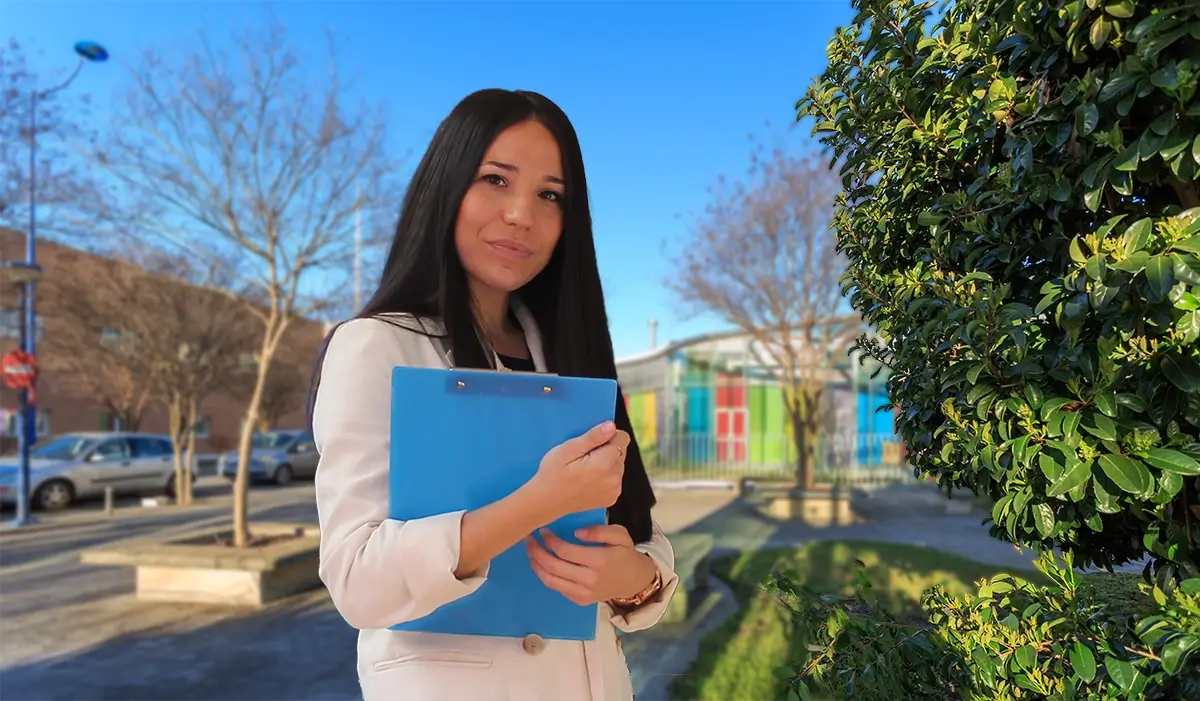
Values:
[(609, 535), (574, 592), (559, 567), (576, 448), (612, 452), (582, 555)]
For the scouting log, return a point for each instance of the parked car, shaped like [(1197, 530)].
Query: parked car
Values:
[(73, 466), (276, 457)]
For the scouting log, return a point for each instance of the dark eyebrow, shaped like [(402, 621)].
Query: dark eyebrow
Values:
[(513, 169)]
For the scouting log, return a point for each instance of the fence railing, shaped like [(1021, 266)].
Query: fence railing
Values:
[(863, 459)]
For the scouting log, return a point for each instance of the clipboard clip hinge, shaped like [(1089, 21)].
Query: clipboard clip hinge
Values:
[(546, 389)]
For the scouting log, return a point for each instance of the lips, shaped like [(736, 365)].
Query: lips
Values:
[(511, 249)]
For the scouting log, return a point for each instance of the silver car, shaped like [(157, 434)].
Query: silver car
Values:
[(275, 457), (66, 468)]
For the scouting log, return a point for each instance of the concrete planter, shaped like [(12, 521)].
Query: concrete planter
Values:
[(198, 568), (815, 508)]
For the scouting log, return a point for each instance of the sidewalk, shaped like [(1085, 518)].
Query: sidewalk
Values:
[(103, 645)]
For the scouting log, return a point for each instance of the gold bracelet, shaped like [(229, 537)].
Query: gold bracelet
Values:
[(643, 596)]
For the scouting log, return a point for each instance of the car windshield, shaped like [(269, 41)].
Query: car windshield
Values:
[(62, 448), (272, 439)]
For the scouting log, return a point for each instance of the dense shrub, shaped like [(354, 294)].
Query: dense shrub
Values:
[(1021, 218), (1014, 641), (1022, 222)]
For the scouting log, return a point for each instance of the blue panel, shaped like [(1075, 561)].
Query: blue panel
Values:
[(700, 424)]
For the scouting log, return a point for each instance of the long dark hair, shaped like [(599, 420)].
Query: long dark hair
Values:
[(424, 277)]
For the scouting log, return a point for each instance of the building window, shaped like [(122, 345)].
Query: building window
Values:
[(204, 428), (10, 324)]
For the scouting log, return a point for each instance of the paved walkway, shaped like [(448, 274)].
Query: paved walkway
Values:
[(106, 645)]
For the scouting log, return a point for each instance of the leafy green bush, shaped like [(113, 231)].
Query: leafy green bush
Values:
[(1014, 641), (1022, 223), (1021, 218)]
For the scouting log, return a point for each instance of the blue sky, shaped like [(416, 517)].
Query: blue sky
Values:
[(663, 95)]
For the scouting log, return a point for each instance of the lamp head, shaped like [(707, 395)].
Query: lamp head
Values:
[(91, 51)]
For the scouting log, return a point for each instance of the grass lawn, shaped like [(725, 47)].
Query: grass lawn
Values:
[(736, 661)]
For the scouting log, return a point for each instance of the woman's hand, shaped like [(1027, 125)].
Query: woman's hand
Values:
[(589, 574), (582, 473)]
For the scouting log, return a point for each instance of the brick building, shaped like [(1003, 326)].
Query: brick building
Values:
[(67, 403)]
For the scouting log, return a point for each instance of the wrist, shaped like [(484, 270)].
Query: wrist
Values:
[(536, 504), (645, 575)]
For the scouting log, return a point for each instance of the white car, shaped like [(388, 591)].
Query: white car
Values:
[(70, 467)]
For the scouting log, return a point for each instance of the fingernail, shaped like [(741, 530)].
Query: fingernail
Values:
[(581, 533), (608, 428)]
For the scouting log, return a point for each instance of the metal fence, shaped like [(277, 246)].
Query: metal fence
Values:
[(863, 459)]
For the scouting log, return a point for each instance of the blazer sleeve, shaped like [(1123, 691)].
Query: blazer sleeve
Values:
[(659, 549), (379, 572)]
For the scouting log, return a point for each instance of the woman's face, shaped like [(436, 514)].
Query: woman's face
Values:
[(511, 217)]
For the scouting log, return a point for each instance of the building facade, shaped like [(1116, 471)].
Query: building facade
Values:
[(66, 403), (706, 406)]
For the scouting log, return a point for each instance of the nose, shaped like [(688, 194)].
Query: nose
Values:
[(518, 210)]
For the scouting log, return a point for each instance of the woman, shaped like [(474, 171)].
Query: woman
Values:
[(493, 266)]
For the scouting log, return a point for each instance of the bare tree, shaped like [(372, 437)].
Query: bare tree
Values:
[(176, 350), (254, 159), (286, 386), (763, 258), (90, 343), (195, 339), (59, 180)]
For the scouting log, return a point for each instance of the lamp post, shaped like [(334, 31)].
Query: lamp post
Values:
[(27, 431)]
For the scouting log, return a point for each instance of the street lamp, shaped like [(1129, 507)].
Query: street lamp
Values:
[(88, 51)]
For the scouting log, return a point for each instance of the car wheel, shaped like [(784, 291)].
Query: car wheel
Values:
[(54, 495), (283, 475)]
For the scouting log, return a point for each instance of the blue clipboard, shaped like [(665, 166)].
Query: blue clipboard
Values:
[(462, 439)]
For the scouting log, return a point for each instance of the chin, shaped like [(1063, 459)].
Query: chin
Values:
[(503, 280)]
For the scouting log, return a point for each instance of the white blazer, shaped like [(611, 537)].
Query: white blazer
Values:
[(381, 572)]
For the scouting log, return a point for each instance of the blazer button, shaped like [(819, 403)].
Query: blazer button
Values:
[(533, 644)]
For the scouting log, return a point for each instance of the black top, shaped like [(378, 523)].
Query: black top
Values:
[(518, 364)]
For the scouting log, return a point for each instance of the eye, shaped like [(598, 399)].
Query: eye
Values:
[(552, 196), (493, 178)]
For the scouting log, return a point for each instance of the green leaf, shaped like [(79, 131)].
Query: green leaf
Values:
[(1026, 657), (1105, 428), (1189, 326), (1076, 474), (1137, 236), (1169, 485), (1043, 518), (1182, 372), (1172, 461), (1196, 149), (1178, 650), (1106, 402), (1122, 9), (1160, 272), (1050, 467), (1134, 263), (1120, 671), (1083, 662), (1128, 159), (1052, 405), (1128, 474), (1087, 116), (1190, 244)]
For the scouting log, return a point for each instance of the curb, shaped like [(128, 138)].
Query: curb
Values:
[(99, 517)]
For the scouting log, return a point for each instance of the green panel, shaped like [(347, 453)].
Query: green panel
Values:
[(756, 408), (775, 427), (636, 412)]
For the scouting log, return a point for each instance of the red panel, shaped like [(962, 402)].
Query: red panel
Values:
[(723, 396), (722, 424), (739, 450), (739, 424), (739, 395)]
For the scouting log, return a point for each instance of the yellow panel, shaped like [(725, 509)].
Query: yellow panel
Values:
[(649, 419)]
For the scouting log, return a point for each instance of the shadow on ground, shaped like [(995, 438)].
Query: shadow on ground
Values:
[(296, 650)]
